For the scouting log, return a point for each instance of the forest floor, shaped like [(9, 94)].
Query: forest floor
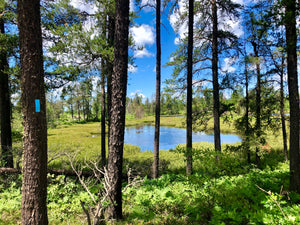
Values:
[(228, 191)]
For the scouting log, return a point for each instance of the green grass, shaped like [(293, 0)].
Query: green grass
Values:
[(219, 192), (84, 141)]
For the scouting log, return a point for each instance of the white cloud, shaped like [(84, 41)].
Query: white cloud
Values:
[(132, 6), (232, 25), (149, 5), (154, 69), (95, 80), (181, 27), (143, 35), (132, 69), (140, 53), (172, 58), (241, 2), (84, 6), (137, 92), (227, 67)]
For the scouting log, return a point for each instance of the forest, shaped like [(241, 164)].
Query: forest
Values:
[(65, 112)]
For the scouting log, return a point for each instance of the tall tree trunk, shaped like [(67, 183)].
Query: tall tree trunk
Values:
[(157, 98), (247, 114), (291, 41), (103, 112), (72, 111), (282, 116), (34, 185), (5, 109), (78, 110), (117, 114), (216, 97), (189, 100), (258, 102), (109, 67)]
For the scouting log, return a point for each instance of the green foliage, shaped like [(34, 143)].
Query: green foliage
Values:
[(220, 192), (63, 200), (200, 199), (10, 201), (64, 196)]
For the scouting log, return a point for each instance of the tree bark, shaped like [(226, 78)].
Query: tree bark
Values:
[(258, 102), (103, 112), (291, 41), (5, 109), (282, 116), (34, 185), (189, 101), (118, 105), (216, 97), (157, 98), (109, 67), (247, 113)]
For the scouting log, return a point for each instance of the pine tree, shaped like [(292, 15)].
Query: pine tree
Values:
[(5, 106), (157, 98), (34, 185), (189, 119), (117, 113), (291, 42)]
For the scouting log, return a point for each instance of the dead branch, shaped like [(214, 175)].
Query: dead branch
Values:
[(133, 181), (273, 199)]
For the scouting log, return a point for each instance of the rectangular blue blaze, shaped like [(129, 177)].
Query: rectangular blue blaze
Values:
[(37, 105)]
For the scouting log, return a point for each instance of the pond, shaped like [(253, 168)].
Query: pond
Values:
[(170, 137)]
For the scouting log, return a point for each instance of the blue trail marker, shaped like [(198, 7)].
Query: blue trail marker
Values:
[(37, 105)]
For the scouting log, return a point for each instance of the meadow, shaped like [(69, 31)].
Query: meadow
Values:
[(228, 191)]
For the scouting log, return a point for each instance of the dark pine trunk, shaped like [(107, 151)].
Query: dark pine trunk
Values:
[(72, 111), (282, 116), (5, 109), (291, 41), (103, 112), (157, 98), (189, 100), (109, 67), (247, 114), (117, 114), (78, 110), (258, 103), (216, 97), (34, 185)]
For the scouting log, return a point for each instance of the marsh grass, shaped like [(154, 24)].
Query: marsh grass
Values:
[(84, 140), (219, 192)]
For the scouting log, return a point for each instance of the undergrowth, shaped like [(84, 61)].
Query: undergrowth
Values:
[(251, 197), (225, 191)]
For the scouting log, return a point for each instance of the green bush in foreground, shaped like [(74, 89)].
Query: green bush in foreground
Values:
[(176, 199), (255, 197)]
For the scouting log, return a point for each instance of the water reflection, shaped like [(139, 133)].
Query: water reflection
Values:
[(170, 137)]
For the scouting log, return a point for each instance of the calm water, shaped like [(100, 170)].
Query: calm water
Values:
[(170, 137)]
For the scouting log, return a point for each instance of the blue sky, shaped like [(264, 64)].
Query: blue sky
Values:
[(143, 79)]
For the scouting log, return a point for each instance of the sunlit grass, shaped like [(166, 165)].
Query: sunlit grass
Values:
[(84, 141)]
